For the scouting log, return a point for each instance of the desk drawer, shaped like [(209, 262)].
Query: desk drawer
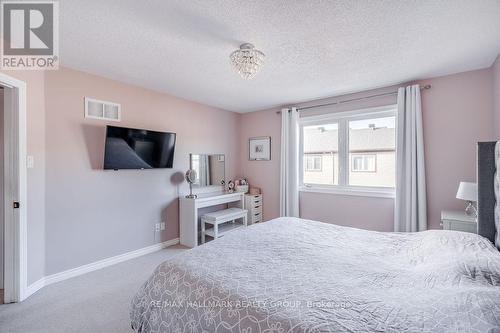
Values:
[(254, 203), (256, 210), (256, 217), (255, 200)]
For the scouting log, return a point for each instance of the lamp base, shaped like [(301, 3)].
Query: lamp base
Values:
[(471, 210)]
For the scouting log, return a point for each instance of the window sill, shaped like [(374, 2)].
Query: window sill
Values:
[(351, 190)]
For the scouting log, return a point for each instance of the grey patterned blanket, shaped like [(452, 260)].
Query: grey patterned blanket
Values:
[(294, 275)]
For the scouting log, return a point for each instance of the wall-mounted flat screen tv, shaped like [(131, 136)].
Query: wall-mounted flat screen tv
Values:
[(130, 148)]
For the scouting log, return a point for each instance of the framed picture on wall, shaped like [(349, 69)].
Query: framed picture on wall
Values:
[(259, 148)]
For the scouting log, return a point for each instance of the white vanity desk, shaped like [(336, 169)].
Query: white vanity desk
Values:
[(188, 212)]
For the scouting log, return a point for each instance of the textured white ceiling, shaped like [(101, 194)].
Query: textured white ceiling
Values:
[(314, 48)]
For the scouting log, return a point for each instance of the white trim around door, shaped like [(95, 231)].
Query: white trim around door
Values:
[(15, 189)]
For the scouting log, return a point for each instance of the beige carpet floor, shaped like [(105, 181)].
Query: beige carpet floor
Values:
[(95, 302)]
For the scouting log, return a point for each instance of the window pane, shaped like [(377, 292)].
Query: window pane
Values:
[(308, 163), (364, 162), (320, 158), (370, 163), (317, 163), (313, 162), (357, 163), (372, 152)]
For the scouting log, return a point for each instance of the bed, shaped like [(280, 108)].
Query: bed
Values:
[(295, 275)]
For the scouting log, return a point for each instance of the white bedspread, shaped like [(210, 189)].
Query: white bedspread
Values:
[(293, 275)]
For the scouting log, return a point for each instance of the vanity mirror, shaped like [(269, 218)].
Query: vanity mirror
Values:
[(210, 169)]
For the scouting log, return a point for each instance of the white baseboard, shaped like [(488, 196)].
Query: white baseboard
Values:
[(34, 287), (64, 275)]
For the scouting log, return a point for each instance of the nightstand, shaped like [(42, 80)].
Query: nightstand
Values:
[(459, 221)]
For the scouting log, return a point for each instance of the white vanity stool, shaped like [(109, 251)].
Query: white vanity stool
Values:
[(219, 220)]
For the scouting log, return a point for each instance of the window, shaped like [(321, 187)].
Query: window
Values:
[(349, 151), (314, 162), (364, 163), (320, 154), (372, 151)]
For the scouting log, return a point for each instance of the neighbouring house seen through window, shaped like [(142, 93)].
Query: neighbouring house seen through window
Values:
[(320, 154), (364, 163), (372, 152), (313, 162), (348, 150)]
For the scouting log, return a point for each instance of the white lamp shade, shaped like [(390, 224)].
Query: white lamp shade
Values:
[(467, 191)]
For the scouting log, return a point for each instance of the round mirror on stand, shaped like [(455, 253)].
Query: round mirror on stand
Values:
[(191, 177)]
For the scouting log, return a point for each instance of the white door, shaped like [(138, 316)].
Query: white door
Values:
[(10, 193), (14, 189)]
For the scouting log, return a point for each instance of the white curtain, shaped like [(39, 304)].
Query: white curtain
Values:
[(289, 176), (410, 213)]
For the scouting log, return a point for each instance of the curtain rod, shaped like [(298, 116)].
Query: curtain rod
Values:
[(426, 87)]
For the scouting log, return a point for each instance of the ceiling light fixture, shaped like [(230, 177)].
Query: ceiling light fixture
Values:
[(247, 61)]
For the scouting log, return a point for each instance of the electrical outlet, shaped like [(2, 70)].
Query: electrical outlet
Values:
[(30, 162), (157, 227), (162, 226)]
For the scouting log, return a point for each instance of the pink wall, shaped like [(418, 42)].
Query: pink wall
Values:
[(94, 214), (496, 97), (457, 113), (351, 211), (263, 174)]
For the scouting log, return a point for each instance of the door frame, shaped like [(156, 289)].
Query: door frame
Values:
[(15, 189)]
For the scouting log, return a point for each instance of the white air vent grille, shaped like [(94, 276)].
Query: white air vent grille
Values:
[(103, 110)]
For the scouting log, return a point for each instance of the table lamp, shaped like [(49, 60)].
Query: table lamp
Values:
[(468, 192)]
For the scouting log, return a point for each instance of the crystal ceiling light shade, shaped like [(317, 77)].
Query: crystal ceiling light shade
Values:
[(247, 60)]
